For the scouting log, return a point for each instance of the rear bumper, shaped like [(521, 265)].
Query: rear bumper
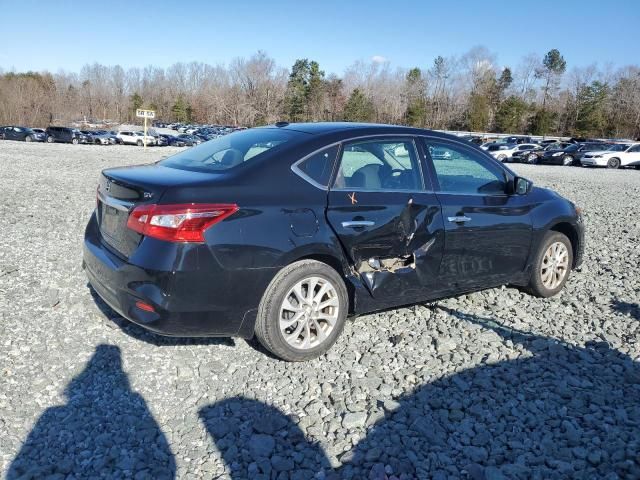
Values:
[(185, 304)]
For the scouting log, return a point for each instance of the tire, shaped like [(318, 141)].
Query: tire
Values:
[(532, 159), (97, 142), (613, 163), (567, 160), (139, 143), (50, 139), (280, 292), (74, 141), (502, 157), (552, 245), (28, 138)]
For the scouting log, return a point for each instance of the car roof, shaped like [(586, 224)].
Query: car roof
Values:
[(344, 130)]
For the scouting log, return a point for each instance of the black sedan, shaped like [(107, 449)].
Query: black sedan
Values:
[(23, 134), (569, 153), (282, 232)]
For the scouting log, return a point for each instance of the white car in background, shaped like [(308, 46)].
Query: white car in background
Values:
[(504, 152), (616, 156), (129, 137)]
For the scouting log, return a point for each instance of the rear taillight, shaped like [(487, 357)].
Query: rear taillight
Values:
[(178, 223)]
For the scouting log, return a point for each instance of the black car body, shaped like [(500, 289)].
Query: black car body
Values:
[(173, 141), (526, 156), (65, 135), (569, 154), (23, 134), (395, 224)]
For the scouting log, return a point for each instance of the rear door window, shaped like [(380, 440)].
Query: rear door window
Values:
[(379, 165)]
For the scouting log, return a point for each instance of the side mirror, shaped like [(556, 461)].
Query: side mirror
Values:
[(522, 186)]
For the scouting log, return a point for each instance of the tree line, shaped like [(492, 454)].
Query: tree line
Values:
[(539, 95)]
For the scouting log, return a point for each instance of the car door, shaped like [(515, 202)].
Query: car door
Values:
[(631, 156), (14, 133), (388, 223), (487, 231)]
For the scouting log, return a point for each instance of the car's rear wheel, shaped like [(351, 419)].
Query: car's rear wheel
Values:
[(613, 163), (531, 158), (567, 160), (303, 311), (502, 157), (74, 141), (50, 139), (551, 266), (28, 138), (139, 143)]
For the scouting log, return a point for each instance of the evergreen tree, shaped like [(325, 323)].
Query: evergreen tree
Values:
[(181, 110), (136, 102), (416, 101), (592, 115), (510, 116), (358, 108)]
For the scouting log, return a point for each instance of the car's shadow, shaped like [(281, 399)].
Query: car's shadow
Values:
[(145, 335), (556, 411)]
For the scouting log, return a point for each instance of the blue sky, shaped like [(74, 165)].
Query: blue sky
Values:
[(62, 34)]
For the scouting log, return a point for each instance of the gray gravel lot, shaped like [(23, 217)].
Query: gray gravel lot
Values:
[(487, 386)]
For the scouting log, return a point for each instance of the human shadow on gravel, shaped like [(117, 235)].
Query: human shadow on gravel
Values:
[(557, 411), (105, 430), (148, 336)]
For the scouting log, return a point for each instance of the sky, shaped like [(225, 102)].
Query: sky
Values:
[(65, 35)]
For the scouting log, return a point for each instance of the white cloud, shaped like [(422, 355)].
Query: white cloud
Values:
[(378, 59)]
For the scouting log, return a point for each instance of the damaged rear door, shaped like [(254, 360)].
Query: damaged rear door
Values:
[(389, 225)]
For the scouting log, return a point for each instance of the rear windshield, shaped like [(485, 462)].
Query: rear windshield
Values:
[(231, 150)]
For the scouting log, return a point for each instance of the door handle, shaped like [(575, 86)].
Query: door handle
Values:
[(358, 223), (459, 219)]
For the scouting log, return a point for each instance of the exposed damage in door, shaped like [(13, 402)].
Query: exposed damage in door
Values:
[(376, 271)]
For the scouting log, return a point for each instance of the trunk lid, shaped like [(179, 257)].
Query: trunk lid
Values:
[(122, 189)]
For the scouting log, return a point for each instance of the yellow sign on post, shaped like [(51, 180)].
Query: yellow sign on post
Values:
[(145, 114)]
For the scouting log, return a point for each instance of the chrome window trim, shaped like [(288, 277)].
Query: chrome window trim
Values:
[(340, 143)]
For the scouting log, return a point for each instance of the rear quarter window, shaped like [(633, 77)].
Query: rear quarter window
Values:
[(318, 167)]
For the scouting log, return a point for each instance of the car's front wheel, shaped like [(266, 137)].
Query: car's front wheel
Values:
[(551, 266), (28, 138), (303, 311), (75, 141), (532, 158), (567, 160), (613, 163), (139, 143), (50, 139)]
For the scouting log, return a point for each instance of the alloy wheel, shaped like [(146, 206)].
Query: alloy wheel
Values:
[(309, 313), (555, 265)]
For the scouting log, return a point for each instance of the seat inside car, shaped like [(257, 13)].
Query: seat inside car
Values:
[(232, 157), (368, 177)]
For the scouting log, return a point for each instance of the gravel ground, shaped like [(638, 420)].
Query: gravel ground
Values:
[(489, 386)]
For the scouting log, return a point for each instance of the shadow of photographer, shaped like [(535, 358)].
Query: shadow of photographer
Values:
[(105, 430)]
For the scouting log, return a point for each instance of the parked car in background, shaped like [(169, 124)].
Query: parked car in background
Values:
[(586, 147), (23, 134), (173, 141), (504, 152), (475, 139), (527, 155), (129, 137), (65, 135), (101, 137), (190, 140), (560, 156), (282, 232), (616, 156)]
